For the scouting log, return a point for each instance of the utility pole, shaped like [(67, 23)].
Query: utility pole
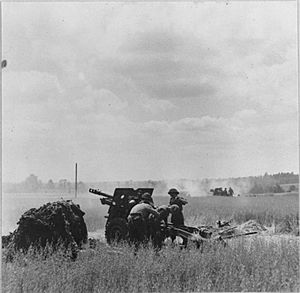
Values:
[(75, 180)]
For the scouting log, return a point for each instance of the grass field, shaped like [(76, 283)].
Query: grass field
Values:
[(242, 266), (247, 264), (268, 210)]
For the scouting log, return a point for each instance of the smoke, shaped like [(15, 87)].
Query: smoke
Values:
[(202, 187), (189, 187), (186, 187), (239, 186)]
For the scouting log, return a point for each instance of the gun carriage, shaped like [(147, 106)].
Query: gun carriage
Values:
[(123, 199)]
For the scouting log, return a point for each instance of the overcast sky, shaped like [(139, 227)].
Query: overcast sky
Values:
[(149, 91)]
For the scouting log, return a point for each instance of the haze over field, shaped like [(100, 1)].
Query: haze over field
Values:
[(149, 90)]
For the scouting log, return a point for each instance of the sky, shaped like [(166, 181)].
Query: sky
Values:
[(137, 91)]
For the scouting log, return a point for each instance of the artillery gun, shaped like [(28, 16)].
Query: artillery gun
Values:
[(120, 204), (122, 201)]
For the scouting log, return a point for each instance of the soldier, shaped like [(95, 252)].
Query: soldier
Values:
[(177, 218), (156, 230), (176, 206), (138, 220), (230, 191)]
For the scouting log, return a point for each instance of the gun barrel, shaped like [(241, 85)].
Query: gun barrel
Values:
[(107, 201), (99, 192)]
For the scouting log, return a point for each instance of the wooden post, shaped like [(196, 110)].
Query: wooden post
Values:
[(75, 180)]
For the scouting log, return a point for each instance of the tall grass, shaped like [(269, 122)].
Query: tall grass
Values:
[(256, 265), (268, 211), (275, 211), (242, 266)]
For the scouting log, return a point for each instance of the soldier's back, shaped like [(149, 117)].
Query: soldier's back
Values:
[(141, 208)]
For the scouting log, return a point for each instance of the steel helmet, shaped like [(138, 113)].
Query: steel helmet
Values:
[(173, 191), (147, 196)]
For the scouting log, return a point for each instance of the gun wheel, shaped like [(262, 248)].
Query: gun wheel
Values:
[(116, 230)]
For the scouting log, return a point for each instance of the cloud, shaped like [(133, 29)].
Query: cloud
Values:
[(167, 64), (28, 87), (156, 105), (153, 42), (147, 90), (99, 101)]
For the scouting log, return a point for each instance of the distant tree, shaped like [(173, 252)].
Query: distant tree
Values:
[(50, 184), (292, 188), (62, 184), (257, 188), (277, 188), (152, 183), (31, 183), (81, 187), (69, 186)]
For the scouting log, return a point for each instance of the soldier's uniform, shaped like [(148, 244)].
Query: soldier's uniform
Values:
[(176, 206), (156, 227), (177, 218), (138, 220)]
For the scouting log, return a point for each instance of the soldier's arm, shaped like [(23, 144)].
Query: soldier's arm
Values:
[(183, 201), (154, 212)]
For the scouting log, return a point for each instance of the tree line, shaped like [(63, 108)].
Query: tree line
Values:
[(272, 183), (33, 184), (267, 183)]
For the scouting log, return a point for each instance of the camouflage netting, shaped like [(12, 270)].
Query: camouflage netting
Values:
[(251, 226), (228, 231), (284, 227), (54, 223)]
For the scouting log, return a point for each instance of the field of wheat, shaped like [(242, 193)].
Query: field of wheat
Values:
[(277, 212), (269, 263), (242, 266)]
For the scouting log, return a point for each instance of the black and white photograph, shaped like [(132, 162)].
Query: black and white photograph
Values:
[(150, 146)]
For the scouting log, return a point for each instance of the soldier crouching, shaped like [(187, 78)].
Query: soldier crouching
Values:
[(138, 221), (157, 227)]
